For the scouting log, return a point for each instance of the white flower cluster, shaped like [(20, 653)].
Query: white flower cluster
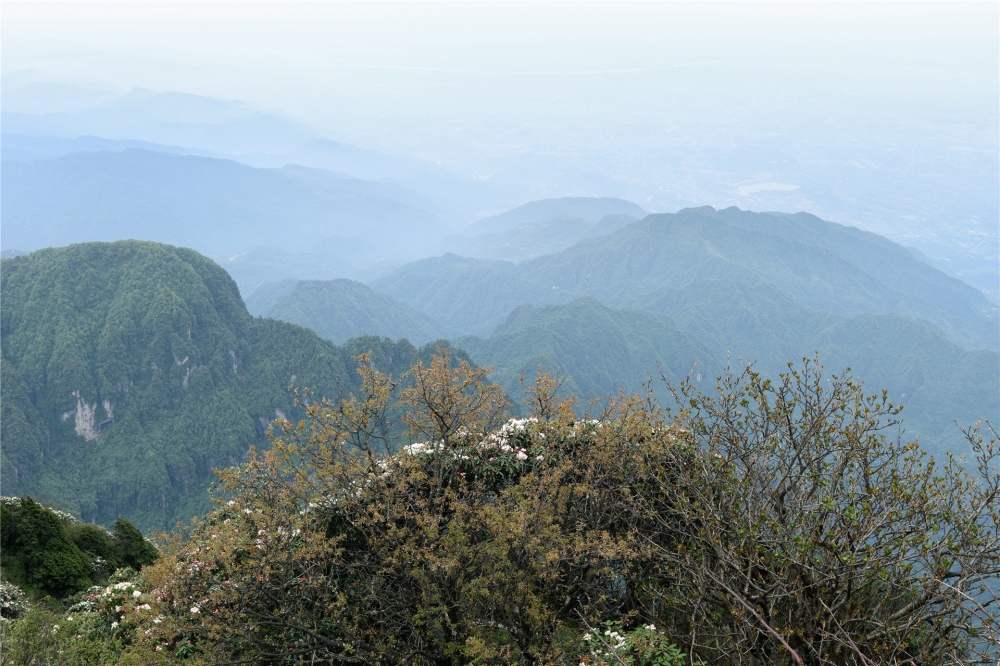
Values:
[(424, 448), (501, 438), (64, 516), (584, 425), (13, 602), (124, 585), (82, 606), (598, 647), (616, 640)]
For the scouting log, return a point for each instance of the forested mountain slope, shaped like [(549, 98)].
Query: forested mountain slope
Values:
[(260, 301), (466, 295), (131, 369), (820, 265), (338, 310), (598, 350), (698, 329)]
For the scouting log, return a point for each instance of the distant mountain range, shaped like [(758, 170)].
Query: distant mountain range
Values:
[(953, 221), (219, 207), (543, 227), (823, 266), (696, 290), (182, 123), (170, 118), (536, 212)]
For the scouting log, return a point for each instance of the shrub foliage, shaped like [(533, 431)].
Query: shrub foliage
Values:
[(772, 522), (779, 522)]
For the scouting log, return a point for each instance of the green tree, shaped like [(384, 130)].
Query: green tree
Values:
[(130, 547), (43, 556)]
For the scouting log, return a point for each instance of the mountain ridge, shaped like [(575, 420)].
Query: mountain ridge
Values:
[(338, 310), (677, 249)]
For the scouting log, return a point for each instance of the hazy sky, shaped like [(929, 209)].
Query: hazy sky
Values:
[(881, 115), (460, 80)]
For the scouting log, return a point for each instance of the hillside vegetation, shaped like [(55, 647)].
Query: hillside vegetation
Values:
[(597, 349), (603, 350), (48, 552), (132, 369)]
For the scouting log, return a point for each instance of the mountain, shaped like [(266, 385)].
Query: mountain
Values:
[(937, 380), (527, 241), (262, 299), (170, 118), (604, 350), (182, 123), (821, 265), (131, 369), (537, 212), (470, 296), (893, 266), (218, 207), (338, 310), (599, 350), (23, 148), (330, 257)]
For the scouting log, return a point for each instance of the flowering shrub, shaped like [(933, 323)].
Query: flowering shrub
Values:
[(13, 602), (643, 646), (96, 626), (492, 539), (115, 610)]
